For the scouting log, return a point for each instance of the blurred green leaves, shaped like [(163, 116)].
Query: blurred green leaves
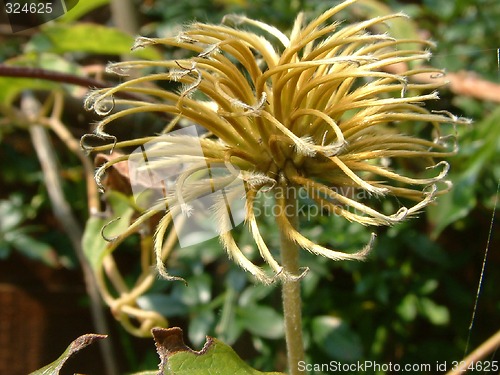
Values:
[(336, 339), (59, 46), (418, 284), (15, 235), (95, 246), (11, 87), (419, 303), (242, 307), (81, 9), (478, 160), (262, 321), (215, 357), (80, 343), (86, 38)]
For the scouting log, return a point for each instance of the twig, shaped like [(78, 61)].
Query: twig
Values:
[(55, 76), (481, 352), (470, 84), (51, 75), (55, 124), (461, 83), (124, 16), (62, 211)]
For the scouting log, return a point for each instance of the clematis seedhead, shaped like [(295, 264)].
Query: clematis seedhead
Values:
[(318, 110)]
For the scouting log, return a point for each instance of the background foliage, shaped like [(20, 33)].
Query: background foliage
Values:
[(411, 302)]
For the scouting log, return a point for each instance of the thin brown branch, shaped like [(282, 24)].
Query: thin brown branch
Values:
[(470, 84), (487, 347), (55, 76), (465, 83), (461, 83), (54, 122), (51, 75)]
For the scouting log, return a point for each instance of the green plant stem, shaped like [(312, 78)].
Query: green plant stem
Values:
[(292, 303)]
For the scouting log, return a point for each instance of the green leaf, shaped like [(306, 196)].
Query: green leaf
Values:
[(443, 8), (438, 315), (261, 321), (167, 305), (198, 291), (408, 307), (15, 236), (82, 8), (400, 28), (87, 37), (10, 87), (453, 206), (94, 245), (34, 249), (46, 60), (215, 357), (336, 339), (429, 286), (199, 326), (462, 199), (254, 293), (11, 214), (5, 249), (80, 343)]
